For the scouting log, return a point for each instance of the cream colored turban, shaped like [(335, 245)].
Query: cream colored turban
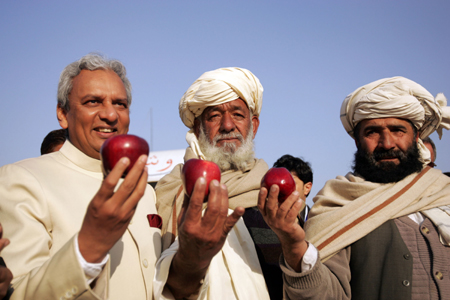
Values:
[(397, 97), (214, 88)]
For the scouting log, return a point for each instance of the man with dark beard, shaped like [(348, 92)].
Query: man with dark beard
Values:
[(212, 256), (382, 232), (374, 167)]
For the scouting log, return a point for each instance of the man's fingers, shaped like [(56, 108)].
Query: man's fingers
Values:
[(184, 207), (109, 182), (137, 194), (3, 243), (5, 279), (286, 209), (295, 209), (262, 196), (215, 212), (272, 201), (232, 219), (194, 210), (131, 181)]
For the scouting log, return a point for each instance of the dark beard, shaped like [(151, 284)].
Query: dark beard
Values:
[(371, 169)]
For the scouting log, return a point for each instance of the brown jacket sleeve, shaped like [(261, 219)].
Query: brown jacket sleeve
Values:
[(329, 280)]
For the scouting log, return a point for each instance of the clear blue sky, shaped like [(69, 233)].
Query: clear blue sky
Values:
[(307, 54)]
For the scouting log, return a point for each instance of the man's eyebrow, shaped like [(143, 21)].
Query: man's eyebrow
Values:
[(218, 108), (237, 107), (397, 126), (90, 96), (390, 126), (371, 127)]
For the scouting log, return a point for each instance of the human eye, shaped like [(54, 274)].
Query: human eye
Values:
[(399, 132), (91, 101), (123, 104), (214, 117), (369, 133), (239, 115)]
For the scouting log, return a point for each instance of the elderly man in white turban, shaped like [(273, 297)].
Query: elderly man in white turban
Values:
[(206, 257), (383, 231)]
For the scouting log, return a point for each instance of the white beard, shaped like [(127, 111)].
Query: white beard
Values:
[(228, 157)]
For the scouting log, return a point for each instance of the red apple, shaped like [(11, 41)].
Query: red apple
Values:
[(116, 147), (281, 177), (193, 169)]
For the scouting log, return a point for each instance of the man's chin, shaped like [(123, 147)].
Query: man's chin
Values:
[(228, 146), (387, 165)]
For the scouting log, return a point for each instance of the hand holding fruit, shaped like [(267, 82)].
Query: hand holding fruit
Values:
[(110, 211), (200, 237), (281, 216)]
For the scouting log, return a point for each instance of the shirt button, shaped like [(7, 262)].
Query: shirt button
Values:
[(439, 275), (425, 230), (145, 263), (74, 290), (405, 282), (406, 256), (131, 222), (69, 295)]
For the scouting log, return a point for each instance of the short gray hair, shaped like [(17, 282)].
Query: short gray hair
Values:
[(91, 62)]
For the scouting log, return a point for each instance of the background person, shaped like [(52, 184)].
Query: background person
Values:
[(428, 142), (53, 141)]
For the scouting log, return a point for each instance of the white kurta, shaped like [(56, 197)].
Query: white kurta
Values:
[(234, 273)]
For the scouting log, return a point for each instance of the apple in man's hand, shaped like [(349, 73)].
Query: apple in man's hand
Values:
[(196, 168), (281, 177), (123, 145)]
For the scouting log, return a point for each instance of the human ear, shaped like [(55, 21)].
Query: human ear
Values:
[(61, 114), (255, 122), (307, 188)]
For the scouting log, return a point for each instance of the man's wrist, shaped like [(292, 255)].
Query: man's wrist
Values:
[(293, 254), (91, 270)]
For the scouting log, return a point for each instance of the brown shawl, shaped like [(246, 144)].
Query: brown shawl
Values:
[(348, 208), (243, 189)]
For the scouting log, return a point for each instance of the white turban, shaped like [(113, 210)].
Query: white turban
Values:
[(214, 88), (397, 97)]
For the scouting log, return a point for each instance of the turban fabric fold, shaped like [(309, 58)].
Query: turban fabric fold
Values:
[(214, 88), (397, 97)]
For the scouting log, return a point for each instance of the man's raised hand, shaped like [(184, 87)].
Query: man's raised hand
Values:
[(282, 219), (109, 212), (200, 237)]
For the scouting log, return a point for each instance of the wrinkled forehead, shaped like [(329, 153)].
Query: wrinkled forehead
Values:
[(234, 105)]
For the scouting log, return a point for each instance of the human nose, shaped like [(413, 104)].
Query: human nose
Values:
[(386, 141), (108, 113), (227, 123)]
